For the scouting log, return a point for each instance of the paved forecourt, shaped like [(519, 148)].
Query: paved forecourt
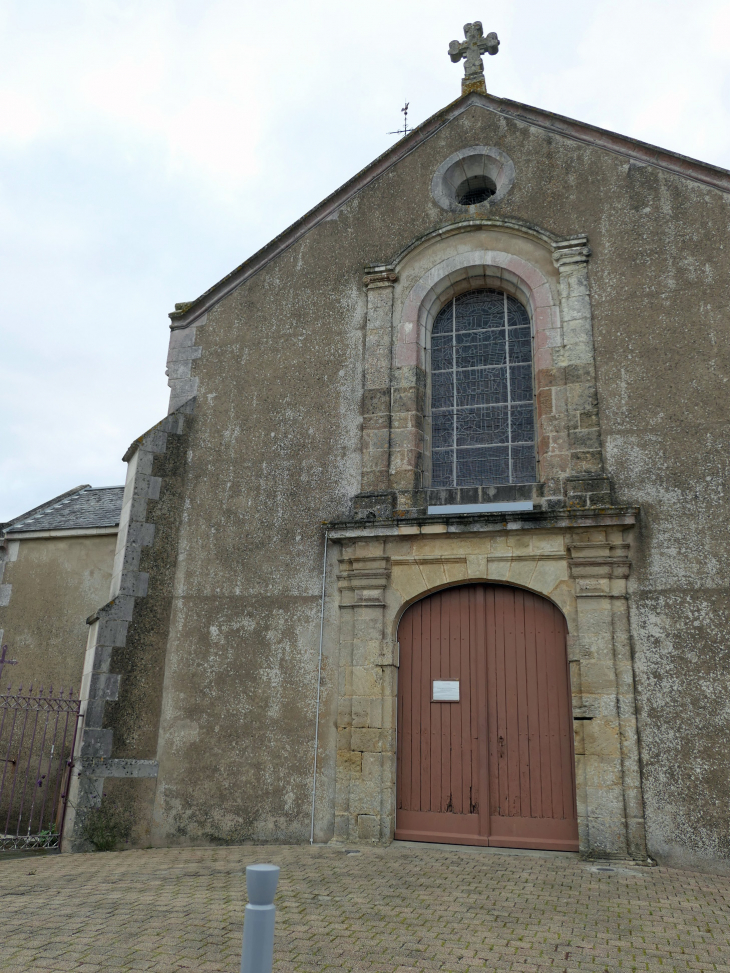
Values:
[(400, 909)]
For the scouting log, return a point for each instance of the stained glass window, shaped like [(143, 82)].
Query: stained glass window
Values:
[(482, 409)]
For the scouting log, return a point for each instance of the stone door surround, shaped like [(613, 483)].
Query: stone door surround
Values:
[(581, 564)]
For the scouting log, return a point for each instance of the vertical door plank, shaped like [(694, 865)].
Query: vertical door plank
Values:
[(491, 687), (553, 713), (439, 631), (522, 600), (407, 726), (404, 773), (533, 711), (448, 715), (424, 662), (511, 598), (476, 627), (501, 680), (467, 599), (482, 704), (544, 713)]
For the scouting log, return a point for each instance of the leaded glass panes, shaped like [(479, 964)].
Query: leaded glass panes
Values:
[(482, 410)]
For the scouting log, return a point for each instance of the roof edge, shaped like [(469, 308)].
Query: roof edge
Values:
[(188, 312), (654, 155), (43, 506), (56, 532)]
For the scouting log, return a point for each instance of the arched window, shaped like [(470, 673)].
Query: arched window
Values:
[(482, 408)]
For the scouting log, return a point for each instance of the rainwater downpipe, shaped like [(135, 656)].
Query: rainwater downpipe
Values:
[(319, 689)]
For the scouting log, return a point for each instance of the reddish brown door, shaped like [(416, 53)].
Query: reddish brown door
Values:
[(496, 767)]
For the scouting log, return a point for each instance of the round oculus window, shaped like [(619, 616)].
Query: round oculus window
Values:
[(474, 189), (473, 179)]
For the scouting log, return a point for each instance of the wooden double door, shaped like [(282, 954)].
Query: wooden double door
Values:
[(485, 733)]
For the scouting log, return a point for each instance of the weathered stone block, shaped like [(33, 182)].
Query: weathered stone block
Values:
[(349, 762), (374, 440), (585, 439), (367, 681), (368, 827), (586, 461), (371, 740), (580, 374)]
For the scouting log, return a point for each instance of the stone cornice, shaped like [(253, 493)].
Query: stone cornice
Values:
[(595, 565), (570, 252), (377, 277), (459, 226), (477, 523)]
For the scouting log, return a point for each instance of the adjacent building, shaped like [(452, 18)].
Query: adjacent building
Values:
[(56, 565)]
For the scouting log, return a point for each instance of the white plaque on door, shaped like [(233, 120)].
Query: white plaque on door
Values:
[(445, 691)]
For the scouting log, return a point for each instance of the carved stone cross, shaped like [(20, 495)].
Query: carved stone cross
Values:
[(470, 49)]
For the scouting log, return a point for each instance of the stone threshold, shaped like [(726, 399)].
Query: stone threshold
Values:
[(485, 850)]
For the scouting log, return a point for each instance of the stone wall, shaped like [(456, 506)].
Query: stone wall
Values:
[(50, 584), (281, 361)]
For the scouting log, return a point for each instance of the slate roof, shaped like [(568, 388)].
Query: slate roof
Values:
[(84, 506)]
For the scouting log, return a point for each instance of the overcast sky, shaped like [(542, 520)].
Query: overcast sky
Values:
[(147, 147)]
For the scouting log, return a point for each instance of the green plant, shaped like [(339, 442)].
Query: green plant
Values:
[(108, 826)]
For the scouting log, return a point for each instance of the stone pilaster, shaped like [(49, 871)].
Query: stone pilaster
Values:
[(365, 785), (576, 356), (607, 751), (376, 395)]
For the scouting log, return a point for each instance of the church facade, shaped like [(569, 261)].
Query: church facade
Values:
[(432, 544)]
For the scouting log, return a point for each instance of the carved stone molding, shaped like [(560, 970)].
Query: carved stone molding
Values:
[(380, 278), (362, 580), (597, 562), (568, 253)]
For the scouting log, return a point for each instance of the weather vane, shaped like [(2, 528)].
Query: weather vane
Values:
[(405, 130)]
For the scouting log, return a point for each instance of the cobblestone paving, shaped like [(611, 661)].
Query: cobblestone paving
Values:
[(403, 909)]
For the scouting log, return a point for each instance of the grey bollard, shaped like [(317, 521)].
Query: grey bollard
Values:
[(258, 921)]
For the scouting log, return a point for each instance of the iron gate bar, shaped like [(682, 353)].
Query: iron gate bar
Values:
[(36, 802), (15, 775), (39, 778), (27, 768)]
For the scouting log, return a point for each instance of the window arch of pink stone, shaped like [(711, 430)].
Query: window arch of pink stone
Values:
[(468, 271)]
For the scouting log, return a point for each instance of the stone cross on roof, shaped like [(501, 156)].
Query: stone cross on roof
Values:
[(470, 49)]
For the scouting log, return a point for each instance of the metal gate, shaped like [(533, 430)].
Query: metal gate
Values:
[(37, 737)]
